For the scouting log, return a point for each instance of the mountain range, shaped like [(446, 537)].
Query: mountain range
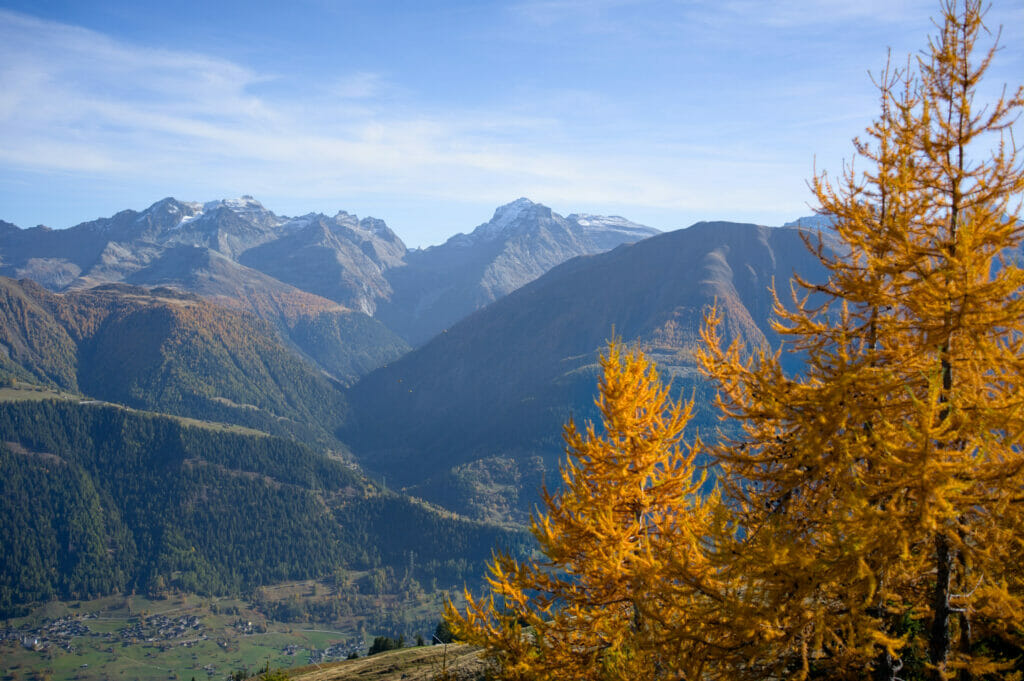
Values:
[(440, 285), (334, 282), (446, 372)]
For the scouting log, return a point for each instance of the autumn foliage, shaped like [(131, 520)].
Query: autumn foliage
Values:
[(577, 614), (867, 521)]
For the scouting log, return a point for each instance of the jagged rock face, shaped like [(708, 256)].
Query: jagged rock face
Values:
[(359, 264), (340, 258), (118, 248), (442, 284)]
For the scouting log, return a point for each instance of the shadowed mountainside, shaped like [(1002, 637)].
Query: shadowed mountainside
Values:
[(473, 419)]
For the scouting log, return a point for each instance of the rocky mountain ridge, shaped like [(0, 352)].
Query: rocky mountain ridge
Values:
[(196, 248), (442, 284), (246, 255)]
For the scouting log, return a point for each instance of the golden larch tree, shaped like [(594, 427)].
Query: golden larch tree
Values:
[(881, 492), (869, 516), (580, 612)]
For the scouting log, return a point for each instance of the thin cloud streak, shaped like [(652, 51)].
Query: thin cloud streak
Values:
[(694, 109), (74, 100)]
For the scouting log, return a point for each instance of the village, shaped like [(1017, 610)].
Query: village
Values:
[(159, 630), (57, 633), (155, 629)]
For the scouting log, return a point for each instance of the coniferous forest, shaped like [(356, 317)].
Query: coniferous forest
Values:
[(103, 500)]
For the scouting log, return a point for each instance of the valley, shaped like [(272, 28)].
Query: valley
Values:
[(238, 414), (184, 636), (387, 404)]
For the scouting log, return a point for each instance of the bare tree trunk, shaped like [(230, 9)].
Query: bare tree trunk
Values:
[(965, 622), (885, 668), (939, 640)]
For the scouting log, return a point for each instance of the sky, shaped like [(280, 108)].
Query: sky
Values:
[(430, 114)]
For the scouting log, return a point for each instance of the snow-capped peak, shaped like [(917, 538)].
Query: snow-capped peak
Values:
[(509, 214), (243, 204), (164, 209), (168, 205)]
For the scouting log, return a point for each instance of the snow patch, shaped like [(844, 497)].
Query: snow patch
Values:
[(298, 223), (610, 223), (243, 204), (187, 219)]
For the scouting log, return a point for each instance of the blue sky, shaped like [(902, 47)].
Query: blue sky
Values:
[(431, 114)]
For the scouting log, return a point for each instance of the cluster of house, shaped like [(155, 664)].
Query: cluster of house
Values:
[(154, 629), (339, 651), (247, 628), (57, 633), (161, 628)]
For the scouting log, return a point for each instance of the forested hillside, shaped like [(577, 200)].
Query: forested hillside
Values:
[(96, 499), (165, 351)]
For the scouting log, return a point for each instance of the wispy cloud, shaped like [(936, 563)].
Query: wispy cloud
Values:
[(76, 100), (361, 85), (700, 108)]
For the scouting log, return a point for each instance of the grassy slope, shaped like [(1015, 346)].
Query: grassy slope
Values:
[(458, 660)]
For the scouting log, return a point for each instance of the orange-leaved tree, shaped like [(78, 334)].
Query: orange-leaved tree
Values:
[(579, 613), (881, 492)]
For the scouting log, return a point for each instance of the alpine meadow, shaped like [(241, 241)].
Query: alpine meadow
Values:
[(866, 518)]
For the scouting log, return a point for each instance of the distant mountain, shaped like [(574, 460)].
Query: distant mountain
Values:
[(812, 223), (196, 247), (325, 282), (163, 350), (340, 258), (473, 418), (442, 284)]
